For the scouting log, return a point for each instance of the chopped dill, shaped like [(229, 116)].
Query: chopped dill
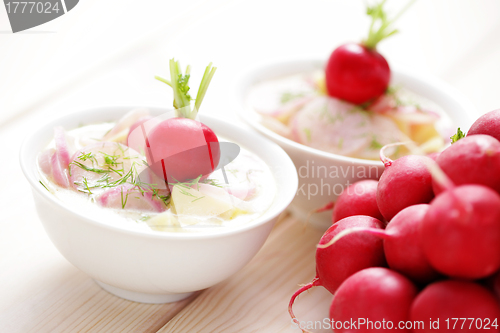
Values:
[(287, 96), (126, 197), (187, 193), (44, 185), (374, 144), (212, 182), (86, 168), (198, 199)]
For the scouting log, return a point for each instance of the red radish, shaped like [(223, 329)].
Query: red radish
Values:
[(434, 156), (488, 124), (357, 73), (405, 182), (474, 159), (359, 198), (376, 299), (457, 306), (180, 149), (402, 245), (350, 254), (138, 123), (494, 282), (460, 233)]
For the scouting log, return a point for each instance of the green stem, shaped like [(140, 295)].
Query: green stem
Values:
[(205, 82), (384, 30), (180, 86)]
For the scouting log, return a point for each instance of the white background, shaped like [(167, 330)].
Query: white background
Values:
[(106, 52)]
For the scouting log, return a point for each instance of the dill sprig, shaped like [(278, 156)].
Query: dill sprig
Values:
[(44, 185)]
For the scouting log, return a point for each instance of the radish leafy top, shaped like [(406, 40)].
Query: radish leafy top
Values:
[(459, 135), (180, 85), (380, 27)]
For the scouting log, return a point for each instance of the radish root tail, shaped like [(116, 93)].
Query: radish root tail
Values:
[(376, 232), (313, 283), (328, 206), (386, 160)]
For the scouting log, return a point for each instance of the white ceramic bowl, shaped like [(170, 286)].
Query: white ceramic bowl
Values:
[(155, 267), (314, 191)]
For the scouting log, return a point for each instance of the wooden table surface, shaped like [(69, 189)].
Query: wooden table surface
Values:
[(106, 53)]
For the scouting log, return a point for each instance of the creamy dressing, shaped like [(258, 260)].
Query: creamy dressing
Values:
[(248, 178)]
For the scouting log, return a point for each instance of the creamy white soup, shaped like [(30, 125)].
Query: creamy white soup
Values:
[(92, 171)]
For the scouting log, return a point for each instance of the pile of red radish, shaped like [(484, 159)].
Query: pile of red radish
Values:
[(430, 253)]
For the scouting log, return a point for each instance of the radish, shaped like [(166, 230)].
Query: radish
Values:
[(62, 149), (138, 123), (59, 173), (128, 196), (353, 253), (474, 159), (488, 124), (376, 299), (44, 160), (402, 245), (454, 306), (120, 131), (359, 198), (179, 149), (405, 182), (357, 73), (103, 164), (460, 233)]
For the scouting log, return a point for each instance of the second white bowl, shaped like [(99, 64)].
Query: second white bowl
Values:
[(316, 191)]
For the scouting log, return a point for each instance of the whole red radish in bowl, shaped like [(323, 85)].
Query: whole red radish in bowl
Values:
[(357, 73), (181, 148)]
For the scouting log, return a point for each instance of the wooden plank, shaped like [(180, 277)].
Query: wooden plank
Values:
[(256, 298), (79, 305)]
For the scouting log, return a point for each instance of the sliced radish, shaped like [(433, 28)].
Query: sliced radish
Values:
[(44, 160), (120, 131), (332, 125), (58, 172), (62, 149), (103, 163), (242, 191), (129, 196)]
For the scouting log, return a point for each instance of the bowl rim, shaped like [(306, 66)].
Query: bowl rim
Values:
[(271, 213), (249, 77)]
